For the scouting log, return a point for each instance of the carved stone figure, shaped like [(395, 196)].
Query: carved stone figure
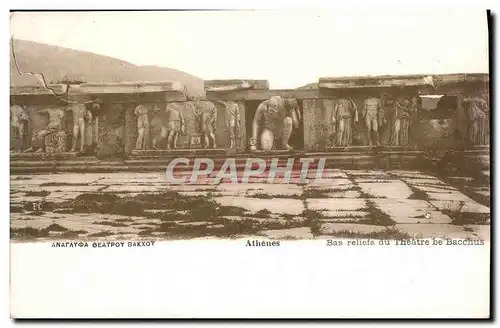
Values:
[(175, 124), (413, 130), (274, 120), (477, 110), (142, 143), (19, 122), (206, 113), (343, 115), (373, 117), (52, 138), (233, 122), (81, 117), (401, 122)]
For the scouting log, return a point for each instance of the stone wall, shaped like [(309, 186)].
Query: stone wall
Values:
[(111, 131)]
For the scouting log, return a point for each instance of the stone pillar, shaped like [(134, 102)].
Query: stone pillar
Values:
[(241, 140), (130, 128)]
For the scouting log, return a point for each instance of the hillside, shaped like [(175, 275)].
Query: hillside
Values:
[(58, 63)]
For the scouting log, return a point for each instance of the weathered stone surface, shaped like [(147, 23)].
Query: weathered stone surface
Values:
[(411, 211), (410, 174), (434, 230), (435, 182), (344, 194), (111, 131), (317, 130), (344, 214), (460, 206), (393, 189), (126, 87), (274, 205), (276, 190), (235, 85), (361, 82), (367, 173), (436, 189), (340, 204), (298, 233), (457, 196), (330, 228), (133, 188), (337, 184)]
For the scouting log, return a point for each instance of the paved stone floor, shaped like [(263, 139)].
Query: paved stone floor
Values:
[(345, 204)]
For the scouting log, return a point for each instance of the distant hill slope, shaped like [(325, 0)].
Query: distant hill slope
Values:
[(57, 63)]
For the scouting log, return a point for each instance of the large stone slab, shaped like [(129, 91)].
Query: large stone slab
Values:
[(234, 85), (434, 230), (57, 178), (274, 205), (453, 196), (410, 174), (344, 194), (298, 233), (337, 184), (337, 204), (411, 211), (436, 189), (274, 189), (128, 188), (459, 206), (369, 173), (431, 182), (393, 189), (61, 188), (331, 228)]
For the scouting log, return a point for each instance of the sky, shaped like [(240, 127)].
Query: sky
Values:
[(288, 48)]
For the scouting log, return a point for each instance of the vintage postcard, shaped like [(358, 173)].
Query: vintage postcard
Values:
[(144, 143)]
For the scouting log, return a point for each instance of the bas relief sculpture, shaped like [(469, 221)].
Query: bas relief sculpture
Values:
[(81, 117), (375, 120), (273, 123), (52, 138), (344, 114), (373, 117), (233, 122), (478, 114), (142, 112), (205, 113), (404, 110), (176, 124), (19, 124)]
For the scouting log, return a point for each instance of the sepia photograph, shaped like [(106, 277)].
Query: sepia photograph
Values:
[(134, 129)]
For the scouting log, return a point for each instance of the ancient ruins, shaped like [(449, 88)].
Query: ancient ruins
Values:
[(376, 120)]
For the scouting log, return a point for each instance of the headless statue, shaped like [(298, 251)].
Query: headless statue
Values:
[(373, 116)]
